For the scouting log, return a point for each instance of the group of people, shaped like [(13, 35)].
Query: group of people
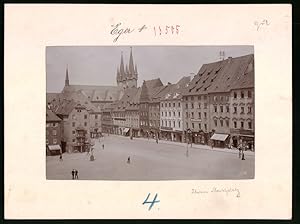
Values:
[(74, 174)]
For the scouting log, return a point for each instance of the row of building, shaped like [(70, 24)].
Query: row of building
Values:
[(216, 106)]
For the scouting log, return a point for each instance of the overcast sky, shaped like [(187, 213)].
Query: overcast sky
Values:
[(97, 65)]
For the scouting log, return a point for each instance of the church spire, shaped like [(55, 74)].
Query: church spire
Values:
[(122, 71), (67, 77), (131, 66)]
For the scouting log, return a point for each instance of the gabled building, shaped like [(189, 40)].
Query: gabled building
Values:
[(171, 111), (53, 133)]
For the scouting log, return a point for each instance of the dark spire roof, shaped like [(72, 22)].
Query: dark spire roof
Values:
[(131, 65), (122, 71), (67, 77)]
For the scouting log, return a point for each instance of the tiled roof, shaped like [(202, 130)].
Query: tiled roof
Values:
[(223, 76), (96, 93), (51, 116), (175, 91), (151, 84)]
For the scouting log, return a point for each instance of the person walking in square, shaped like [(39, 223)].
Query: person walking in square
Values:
[(76, 174), (103, 146), (60, 158), (73, 174), (128, 160)]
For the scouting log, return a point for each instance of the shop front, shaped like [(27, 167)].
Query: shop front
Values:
[(219, 140)]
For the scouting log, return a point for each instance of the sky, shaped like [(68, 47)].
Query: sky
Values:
[(97, 65)]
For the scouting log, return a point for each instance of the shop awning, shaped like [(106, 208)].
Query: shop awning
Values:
[(54, 147), (126, 130), (219, 137)]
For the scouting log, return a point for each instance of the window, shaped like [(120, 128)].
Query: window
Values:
[(205, 126), (249, 94), (193, 125), (162, 114), (234, 95), (242, 124), (199, 115), (192, 98), (205, 97), (249, 110), (205, 105), (178, 114), (216, 123), (85, 116), (166, 104), (187, 125), (169, 104), (227, 123), (242, 110), (178, 104), (179, 124), (162, 105), (174, 124), (85, 124), (250, 125), (54, 141), (170, 113), (221, 122), (199, 97), (174, 113), (186, 114), (215, 108), (235, 110), (169, 123), (192, 106), (96, 116), (47, 125), (166, 114), (204, 114), (227, 109), (242, 94), (192, 114), (166, 123), (73, 140), (173, 104), (199, 126), (234, 123), (221, 108), (73, 117), (96, 124), (199, 105), (186, 106), (73, 124)]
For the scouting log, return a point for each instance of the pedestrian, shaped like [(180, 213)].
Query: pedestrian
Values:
[(240, 150), (128, 159), (76, 174), (73, 174), (243, 149), (103, 146), (60, 157), (156, 140)]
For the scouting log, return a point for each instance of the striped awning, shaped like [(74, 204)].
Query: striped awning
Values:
[(219, 137), (126, 130)]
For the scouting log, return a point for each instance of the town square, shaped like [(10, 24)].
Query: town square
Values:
[(197, 125)]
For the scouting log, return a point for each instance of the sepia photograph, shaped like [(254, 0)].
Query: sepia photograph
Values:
[(150, 113)]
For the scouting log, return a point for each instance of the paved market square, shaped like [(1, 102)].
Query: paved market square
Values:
[(151, 161)]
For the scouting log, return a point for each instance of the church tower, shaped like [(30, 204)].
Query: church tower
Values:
[(67, 77), (127, 76)]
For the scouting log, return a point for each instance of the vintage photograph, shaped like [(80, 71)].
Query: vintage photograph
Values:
[(150, 113)]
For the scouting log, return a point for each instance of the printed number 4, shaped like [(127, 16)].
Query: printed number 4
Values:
[(150, 202)]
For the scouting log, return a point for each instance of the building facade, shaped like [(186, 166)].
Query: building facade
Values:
[(217, 103), (53, 133)]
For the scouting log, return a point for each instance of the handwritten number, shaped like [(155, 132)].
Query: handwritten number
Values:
[(177, 29), (159, 30), (151, 202)]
